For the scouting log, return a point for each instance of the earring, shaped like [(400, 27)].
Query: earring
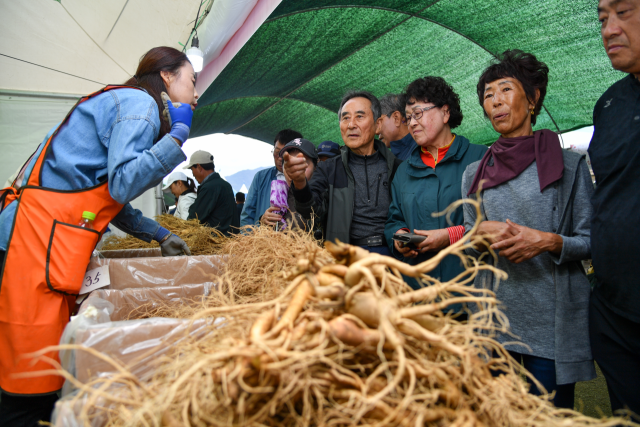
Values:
[(532, 111)]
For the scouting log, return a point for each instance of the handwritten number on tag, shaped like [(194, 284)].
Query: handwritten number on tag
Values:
[(90, 281), (95, 279)]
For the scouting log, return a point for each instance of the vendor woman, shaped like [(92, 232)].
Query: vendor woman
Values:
[(112, 146)]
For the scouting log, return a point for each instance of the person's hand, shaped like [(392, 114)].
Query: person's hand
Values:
[(526, 243), (295, 167), (436, 240), (269, 217), (179, 117), (406, 251), (495, 231), (173, 246)]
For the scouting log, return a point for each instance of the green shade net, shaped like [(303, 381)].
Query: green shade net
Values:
[(295, 69)]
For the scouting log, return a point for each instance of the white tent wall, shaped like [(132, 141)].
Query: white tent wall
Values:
[(25, 119)]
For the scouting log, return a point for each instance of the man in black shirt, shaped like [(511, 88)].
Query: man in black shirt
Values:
[(350, 193), (614, 319)]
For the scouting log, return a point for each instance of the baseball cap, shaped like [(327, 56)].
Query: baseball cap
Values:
[(176, 176), (328, 149), (301, 144), (200, 157)]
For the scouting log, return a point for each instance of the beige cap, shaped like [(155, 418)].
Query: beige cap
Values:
[(200, 157)]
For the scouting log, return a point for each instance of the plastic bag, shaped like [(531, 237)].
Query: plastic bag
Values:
[(160, 271)]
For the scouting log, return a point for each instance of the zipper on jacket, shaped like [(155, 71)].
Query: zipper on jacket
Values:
[(378, 189), (366, 175)]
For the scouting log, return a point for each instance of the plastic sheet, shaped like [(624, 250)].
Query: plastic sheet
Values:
[(136, 344), (127, 300), (160, 271)]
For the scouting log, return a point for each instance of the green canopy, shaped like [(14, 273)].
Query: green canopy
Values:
[(294, 70)]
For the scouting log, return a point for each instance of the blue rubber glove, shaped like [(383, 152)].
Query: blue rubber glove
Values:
[(161, 233), (179, 117)]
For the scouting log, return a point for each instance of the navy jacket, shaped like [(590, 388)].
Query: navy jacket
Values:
[(402, 148), (615, 157)]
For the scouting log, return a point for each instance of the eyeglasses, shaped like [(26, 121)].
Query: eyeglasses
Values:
[(417, 113)]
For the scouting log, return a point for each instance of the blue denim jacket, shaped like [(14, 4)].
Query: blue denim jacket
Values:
[(109, 137), (258, 198)]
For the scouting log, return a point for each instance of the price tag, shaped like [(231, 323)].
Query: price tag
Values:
[(95, 279)]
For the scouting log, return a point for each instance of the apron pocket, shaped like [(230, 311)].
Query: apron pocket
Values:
[(68, 254)]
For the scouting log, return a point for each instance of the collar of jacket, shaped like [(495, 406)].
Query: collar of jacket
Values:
[(210, 177), (379, 147), (418, 169), (400, 144)]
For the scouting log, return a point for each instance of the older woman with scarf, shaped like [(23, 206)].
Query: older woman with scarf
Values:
[(535, 202)]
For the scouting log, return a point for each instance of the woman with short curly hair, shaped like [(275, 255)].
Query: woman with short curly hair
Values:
[(535, 198), (429, 180)]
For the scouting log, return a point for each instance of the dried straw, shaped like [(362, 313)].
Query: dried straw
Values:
[(347, 343), (254, 271), (202, 240)]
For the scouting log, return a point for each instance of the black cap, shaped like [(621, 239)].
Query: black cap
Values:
[(303, 145)]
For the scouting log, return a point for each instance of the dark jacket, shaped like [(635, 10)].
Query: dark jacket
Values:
[(402, 148), (236, 216), (418, 191), (615, 228), (215, 205), (331, 191)]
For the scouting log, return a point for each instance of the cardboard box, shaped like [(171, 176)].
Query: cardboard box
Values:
[(131, 253)]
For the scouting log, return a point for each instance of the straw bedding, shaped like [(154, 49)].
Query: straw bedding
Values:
[(201, 240)]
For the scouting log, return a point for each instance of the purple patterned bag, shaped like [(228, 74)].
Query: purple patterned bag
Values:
[(278, 199)]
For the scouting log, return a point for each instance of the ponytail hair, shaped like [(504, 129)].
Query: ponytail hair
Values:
[(148, 76), (190, 184)]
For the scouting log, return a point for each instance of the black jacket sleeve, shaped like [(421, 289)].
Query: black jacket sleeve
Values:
[(313, 198)]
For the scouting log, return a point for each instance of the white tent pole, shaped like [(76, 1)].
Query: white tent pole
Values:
[(159, 200)]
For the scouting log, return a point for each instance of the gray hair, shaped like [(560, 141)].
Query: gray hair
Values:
[(391, 103), (375, 104)]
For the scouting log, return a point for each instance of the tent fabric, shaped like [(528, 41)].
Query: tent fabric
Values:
[(294, 70), (232, 23), (101, 42)]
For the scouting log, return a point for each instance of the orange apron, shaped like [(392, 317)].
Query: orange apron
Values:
[(44, 268)]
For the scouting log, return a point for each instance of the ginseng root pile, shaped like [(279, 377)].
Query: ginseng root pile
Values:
[(347, 343)]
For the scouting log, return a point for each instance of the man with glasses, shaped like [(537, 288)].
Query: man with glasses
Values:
[(350, 192), (257, 200), (392, 127)]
